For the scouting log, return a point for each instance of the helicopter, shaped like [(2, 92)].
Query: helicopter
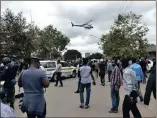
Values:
[(85, 25)]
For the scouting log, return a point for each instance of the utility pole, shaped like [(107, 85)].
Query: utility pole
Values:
[(31, 16)]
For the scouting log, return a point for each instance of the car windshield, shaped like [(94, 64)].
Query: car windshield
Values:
[(48, 64), (43, 63)]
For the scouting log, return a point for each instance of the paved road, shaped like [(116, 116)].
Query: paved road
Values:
[(63, 102)]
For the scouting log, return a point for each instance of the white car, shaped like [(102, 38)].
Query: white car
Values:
[(49, 67), (150, 65)]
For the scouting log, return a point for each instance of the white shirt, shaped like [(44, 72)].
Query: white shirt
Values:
[(85, 73), (129, 82), (2, 64), (77, 68), (7, 112), (59, 67)]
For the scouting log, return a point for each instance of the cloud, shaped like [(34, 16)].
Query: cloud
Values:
[(60, 14)]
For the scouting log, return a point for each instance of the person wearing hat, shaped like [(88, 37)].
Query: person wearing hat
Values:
[(34, 80), (8, 76)]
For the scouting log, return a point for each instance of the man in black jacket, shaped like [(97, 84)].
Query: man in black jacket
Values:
[(151, 86)]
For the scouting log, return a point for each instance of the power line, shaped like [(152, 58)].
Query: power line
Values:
[(127, 7), (119, 10)]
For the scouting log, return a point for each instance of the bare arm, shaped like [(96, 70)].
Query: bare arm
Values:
[(45, 81), (20, 80)]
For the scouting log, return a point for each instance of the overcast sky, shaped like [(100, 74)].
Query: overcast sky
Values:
[(61, 13)]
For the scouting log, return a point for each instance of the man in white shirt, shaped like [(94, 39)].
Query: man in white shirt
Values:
[(85, 72), (58, 72), (130, 89)]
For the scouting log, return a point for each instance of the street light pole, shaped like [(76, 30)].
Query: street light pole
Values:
[(97, 42)]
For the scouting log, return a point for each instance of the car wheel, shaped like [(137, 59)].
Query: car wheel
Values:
[(73, 74)]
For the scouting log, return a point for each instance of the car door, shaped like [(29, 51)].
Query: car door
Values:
[(51, 67), (65, 69)]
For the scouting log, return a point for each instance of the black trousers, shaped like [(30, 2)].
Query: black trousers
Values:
[(59, 79), (34, 115), (109, 74), (130, 106)]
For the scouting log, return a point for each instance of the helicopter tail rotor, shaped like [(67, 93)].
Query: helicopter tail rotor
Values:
[(72, 24)]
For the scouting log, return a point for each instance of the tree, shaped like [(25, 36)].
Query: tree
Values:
[(52, 42), (72, 55), (96, 56), (126, 37), (17, 36)]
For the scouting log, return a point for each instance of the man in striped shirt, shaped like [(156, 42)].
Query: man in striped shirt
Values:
[(116, 82)]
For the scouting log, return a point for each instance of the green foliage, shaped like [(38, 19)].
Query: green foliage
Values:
[(52, 41), (19, 38), (126, 37), (72, 55), (16, 35), (96, 56)]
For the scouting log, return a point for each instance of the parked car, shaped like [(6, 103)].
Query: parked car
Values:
[(50, 69)]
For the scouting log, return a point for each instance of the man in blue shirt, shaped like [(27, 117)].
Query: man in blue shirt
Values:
[(139, 76), (33, 80)]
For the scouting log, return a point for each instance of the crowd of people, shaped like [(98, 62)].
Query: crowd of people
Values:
[(125, 72)]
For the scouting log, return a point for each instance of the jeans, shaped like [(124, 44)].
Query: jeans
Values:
[(34, 115), (139, 90), (128, 106), (115, 98), (88, 91)]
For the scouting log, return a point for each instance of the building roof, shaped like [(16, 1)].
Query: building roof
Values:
[(152, 48)]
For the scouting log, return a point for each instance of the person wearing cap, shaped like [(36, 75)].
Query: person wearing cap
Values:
[(34, 80), (8, 75)]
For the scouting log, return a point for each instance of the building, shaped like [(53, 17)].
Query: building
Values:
[(151, 51), (87, 55)]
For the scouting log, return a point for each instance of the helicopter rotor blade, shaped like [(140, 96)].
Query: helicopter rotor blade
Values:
[(88, 22)]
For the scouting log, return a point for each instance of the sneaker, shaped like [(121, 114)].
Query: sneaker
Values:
[(81, 106), (55, 85), (86, 106), (113, 111), (61, 86)]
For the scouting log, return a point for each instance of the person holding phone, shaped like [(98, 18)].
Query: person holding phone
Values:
[(85, 73), (33, 81)]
